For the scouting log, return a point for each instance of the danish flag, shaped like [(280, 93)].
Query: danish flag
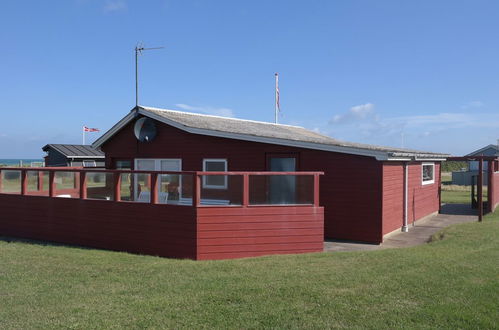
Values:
[(88, 129)]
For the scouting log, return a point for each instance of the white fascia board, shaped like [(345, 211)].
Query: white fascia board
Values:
[(118, 126), (416, 159), (434, 159), (379, 155), (84, 157)]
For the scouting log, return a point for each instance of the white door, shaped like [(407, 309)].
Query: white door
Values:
[(143, 181)]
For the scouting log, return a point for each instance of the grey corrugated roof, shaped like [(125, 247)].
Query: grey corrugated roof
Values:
[(75, 150), (273, 131)]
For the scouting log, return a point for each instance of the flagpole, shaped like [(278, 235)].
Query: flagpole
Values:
[(83, 134), (276, 97)]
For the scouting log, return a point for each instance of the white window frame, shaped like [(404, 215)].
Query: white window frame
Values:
[(209, 186), (157, 167), (93, 162), (423, 182)]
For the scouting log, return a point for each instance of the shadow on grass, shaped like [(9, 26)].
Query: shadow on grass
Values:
[(9, 239)]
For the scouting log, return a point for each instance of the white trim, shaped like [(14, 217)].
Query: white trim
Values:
[(113, 130), (423, 182), (208, 186)]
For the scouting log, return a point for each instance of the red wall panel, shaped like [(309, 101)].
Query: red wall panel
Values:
[(350, 190), (422, 199), (494, 191), (247, 232), (132, 227)]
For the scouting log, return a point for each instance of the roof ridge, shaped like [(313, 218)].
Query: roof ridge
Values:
[(222, 117)]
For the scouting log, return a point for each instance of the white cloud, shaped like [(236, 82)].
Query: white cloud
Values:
[(473, 104), (114, 6), (358, 112), (222, 112)]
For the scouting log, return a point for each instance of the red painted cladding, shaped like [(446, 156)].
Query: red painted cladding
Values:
[(494, 191), (165, 230), (423, 200), (245, 232), (133, 227), (350, 190)]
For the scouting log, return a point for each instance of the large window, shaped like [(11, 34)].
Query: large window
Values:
[(428, 173), (215, 181)]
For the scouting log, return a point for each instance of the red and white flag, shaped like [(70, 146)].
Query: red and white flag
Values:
[(88, 129)]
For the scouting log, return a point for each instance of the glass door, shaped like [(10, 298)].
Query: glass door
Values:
[(282, 188), (168, 184)]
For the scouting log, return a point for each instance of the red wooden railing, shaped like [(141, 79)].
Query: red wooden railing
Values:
[(80, 183)]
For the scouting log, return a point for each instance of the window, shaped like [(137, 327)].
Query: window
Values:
[(124, 164), (215, 181), (89, 163), (428, 173)]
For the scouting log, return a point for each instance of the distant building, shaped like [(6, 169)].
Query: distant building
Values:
[(464, 178), (73, 155)]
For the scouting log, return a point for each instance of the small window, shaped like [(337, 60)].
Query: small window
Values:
[(215, 181), (428, 173), (89, 163)]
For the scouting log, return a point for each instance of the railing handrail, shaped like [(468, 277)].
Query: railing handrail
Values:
[(80, 181), (92, 170)]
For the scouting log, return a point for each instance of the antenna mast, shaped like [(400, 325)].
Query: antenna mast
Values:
[(138, 51)]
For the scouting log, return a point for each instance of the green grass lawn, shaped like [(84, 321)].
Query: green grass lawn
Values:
[(453, 194), (450, 283)]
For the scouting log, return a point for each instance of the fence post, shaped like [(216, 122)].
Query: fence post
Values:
[(83, 185), (479, 189), (316, 189), (40, 181), (245, 189), (196, 194), (154, 188), (51, 183), (490, 186), (24, 182), (117, 186)]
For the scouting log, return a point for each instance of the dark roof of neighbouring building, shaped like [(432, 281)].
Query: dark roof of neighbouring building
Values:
[(75, 150), (490, 150), (264, 132)]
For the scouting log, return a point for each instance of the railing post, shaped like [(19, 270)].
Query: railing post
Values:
[(40, 181), (117, 186), (83, 185), (316, 190), (490, 186), (0, 180), (479, 189), (51, 183), (154, 188), (245, 189), (24, 182), (196, 194)]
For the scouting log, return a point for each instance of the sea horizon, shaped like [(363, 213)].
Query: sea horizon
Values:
[(17, 161)]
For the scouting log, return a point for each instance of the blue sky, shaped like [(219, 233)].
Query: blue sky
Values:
[(423, 74)]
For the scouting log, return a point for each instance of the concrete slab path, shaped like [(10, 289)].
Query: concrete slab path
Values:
[(418, 234)]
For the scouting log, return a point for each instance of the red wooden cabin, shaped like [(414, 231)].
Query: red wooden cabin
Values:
[(367, 191)]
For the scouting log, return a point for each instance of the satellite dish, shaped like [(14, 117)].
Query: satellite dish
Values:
[(145, 129)]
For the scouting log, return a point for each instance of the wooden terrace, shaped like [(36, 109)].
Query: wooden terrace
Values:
[(187, 214)]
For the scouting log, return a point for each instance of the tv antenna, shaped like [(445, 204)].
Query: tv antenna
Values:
[(138, 51)]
